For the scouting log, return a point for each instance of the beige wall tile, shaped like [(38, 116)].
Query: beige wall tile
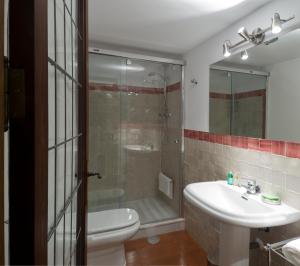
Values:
[(206, 161)]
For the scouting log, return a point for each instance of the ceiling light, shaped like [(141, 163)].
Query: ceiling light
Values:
[(244, 33), (226, 49), (276, 24), (244, 55)]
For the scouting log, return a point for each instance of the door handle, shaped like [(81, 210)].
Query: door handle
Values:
[(98, 175)]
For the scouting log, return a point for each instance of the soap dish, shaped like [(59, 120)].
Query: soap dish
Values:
[(273, 200)]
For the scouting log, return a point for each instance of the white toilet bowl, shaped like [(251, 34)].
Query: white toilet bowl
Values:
[(107, 232)]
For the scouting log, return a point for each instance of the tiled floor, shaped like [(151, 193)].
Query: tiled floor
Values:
[(176, 248), (151, 209)]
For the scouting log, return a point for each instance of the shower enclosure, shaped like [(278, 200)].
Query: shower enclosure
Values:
[(135, 133)]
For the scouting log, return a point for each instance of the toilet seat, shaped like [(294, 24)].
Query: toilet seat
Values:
[(110, 220), (109, 227)]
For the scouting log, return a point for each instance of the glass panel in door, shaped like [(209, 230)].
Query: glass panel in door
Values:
[(151, 131), (106, 83), (141, 123), (65, 133), (171, 165)]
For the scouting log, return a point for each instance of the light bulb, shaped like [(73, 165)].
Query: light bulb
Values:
[(226, 49), (244, 55), (276, 24)]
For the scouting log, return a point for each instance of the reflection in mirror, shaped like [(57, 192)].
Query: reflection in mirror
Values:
[(258, 97)]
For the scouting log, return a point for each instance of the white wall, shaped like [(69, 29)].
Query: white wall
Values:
[(199, 59), (283, 101)]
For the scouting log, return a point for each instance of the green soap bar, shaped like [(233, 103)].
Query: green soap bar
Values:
[(271, 197)]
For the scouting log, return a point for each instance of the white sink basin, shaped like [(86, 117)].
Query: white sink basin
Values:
[(237, 215), (225, 202)]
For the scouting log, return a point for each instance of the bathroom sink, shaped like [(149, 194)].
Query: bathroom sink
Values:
[(237, 212), (140, 148), (226, 203)]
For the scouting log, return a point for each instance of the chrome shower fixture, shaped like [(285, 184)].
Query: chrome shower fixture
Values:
[(244, 33), (256, 37)]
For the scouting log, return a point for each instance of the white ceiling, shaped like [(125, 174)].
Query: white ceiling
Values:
[(170, 26)]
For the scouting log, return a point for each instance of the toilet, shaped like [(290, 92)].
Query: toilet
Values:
[(107, 232)]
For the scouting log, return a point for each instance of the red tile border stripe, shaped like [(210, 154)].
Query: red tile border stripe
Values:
[(132, 89), (293, 150), (240, 95), (248, 94), (283, 148), (122, 88), (217, 95), (174, 87)]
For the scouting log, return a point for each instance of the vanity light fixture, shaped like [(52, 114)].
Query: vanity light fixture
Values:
[(244, 55), (277, 23), (226, 49), (257, 36), (244, 33)]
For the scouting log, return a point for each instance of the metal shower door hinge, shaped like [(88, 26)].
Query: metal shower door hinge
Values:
[(14, 88)]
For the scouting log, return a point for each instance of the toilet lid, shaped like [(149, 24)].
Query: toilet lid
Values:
[(111, 220)]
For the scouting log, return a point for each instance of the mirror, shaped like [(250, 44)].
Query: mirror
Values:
[(258, 97)]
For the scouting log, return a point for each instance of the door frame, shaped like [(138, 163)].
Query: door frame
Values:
[(28, 156), (28, 167), (2, 252), (83, 124)]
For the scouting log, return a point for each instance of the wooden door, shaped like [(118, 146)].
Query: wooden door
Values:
[(2, 132), (47, 179)]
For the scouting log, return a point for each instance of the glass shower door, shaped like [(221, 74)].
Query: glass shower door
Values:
[(135, 134), (106, 82), (141, 104), (151, 138), (171, 165)]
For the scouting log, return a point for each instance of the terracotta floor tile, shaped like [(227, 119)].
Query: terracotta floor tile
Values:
[(176, 248)]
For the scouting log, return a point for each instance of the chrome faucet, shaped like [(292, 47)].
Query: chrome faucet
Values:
[(251, 186)]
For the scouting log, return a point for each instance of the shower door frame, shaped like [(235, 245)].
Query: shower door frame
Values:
[(100, 51), (182, 63)]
